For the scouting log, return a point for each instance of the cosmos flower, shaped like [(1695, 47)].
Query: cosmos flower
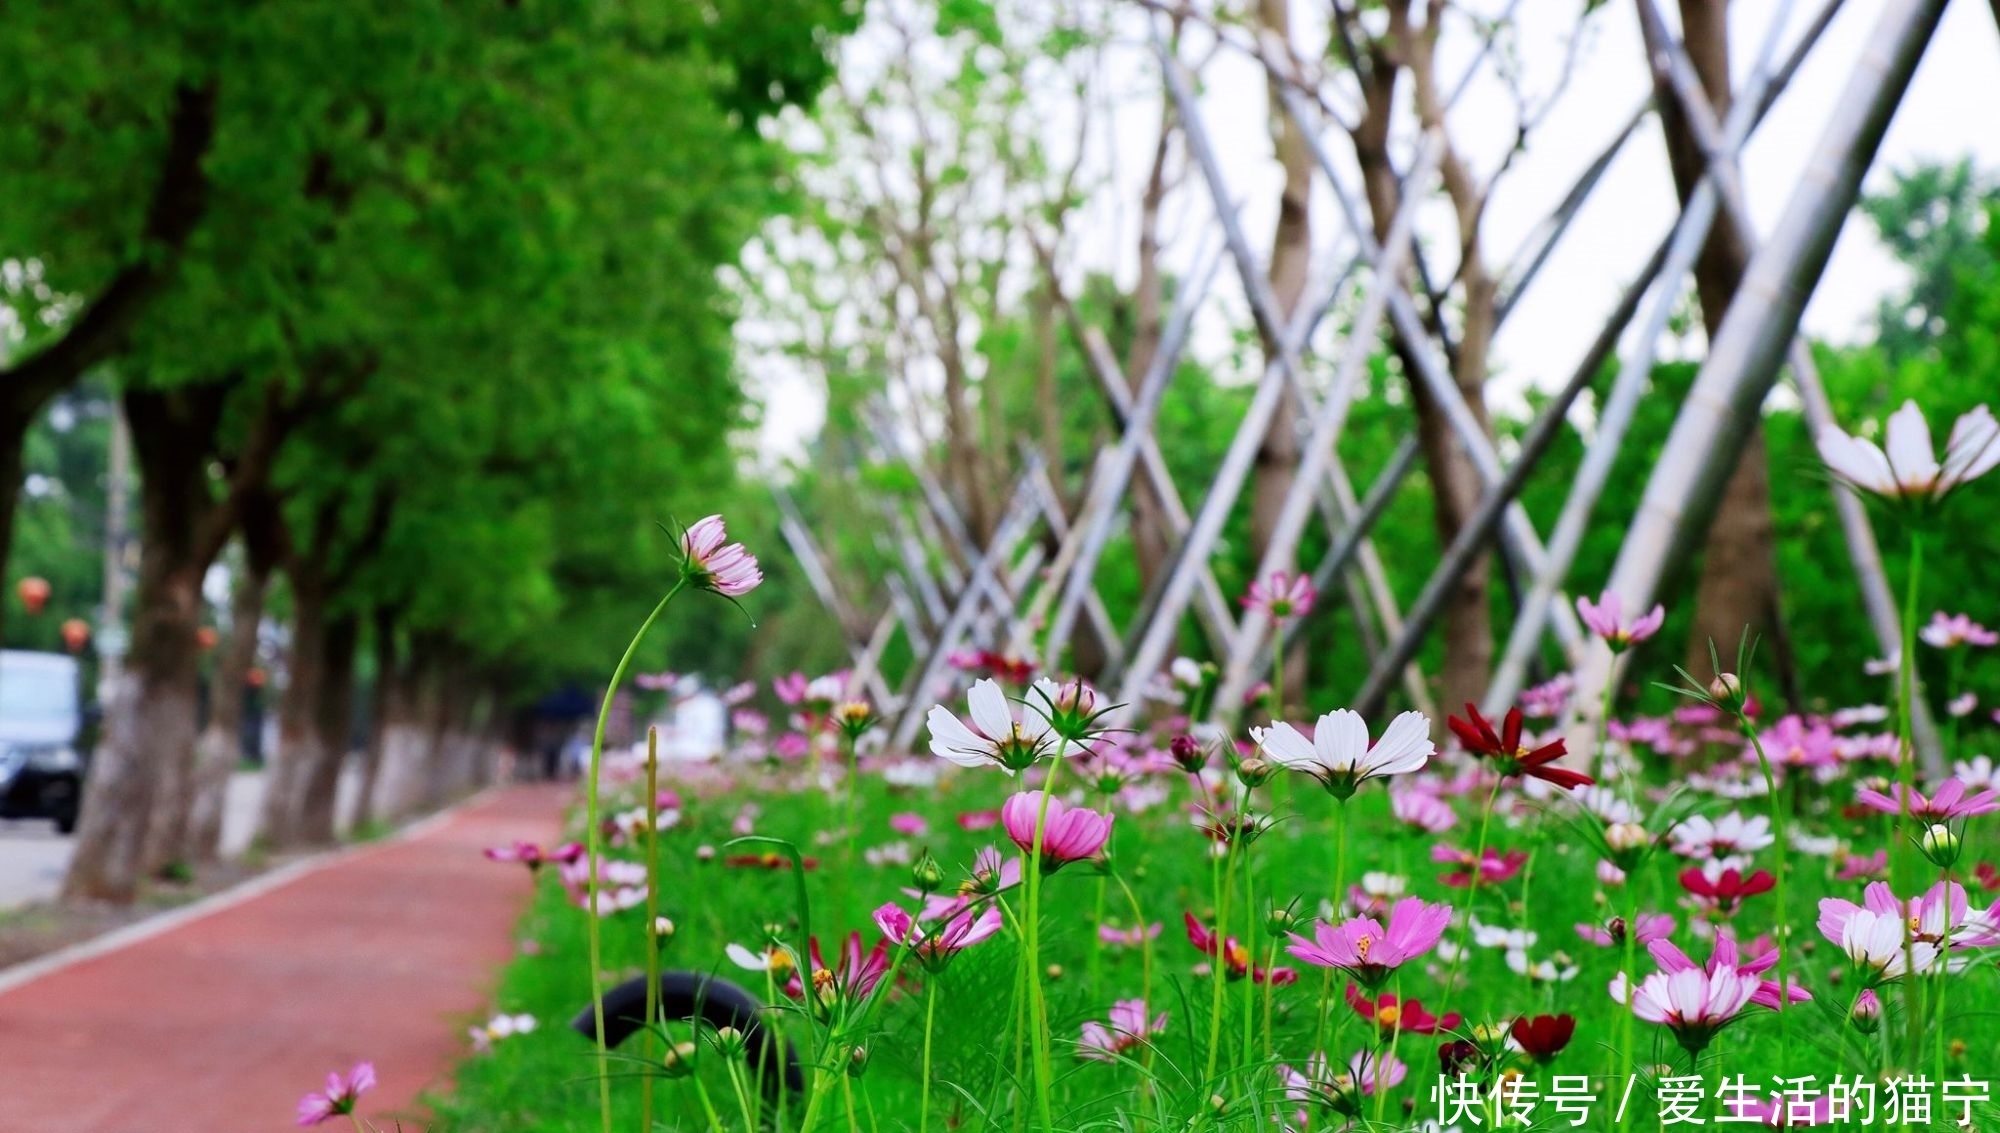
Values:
[(1760, 957), (1367, 950), (1128, 1028), (1115, 937), (1390, 1014), (997, 738), (1503, 748), (339, 1097), (1693, 1002), (1340, 756), (936, 945), (1365, 1074), (1234, 956), (709, 564), (1423, 810), (1069, 833), (1725, 891), (851, 980), (1282, 596), (1958, 629), (1542, 1037), (1908, 468), (1949, 802), (1644, 930), (1730, 836), (1606, 619), (1493, 868)]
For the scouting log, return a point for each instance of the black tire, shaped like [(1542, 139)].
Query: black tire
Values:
[(66, 822)]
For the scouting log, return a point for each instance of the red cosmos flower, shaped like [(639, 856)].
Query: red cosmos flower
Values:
[(767, 860), (1494, 867), (1989, 878), (1508, 756), (1460, 1056), (1391, 1015), (1725, 893), (1544, 1036), (1235, 958)]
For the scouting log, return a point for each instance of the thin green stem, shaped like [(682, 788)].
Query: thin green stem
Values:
[(652, 917), (930, 1019), (594, 846)]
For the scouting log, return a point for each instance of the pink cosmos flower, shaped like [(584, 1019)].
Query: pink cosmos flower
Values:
[(1855, 867), (1549, 698), (1892, 937), (710, 564), (935, 946), (790, 689), (973, 821), (1644, 929), (1693, 1002), (1366, 950), (1606, 620), (1909, 468), (1128, 1028), (1423, 810), (1958, 629), (1282, 596), (1364, 1076), (1950, 802), (1760, 957), (533, 856), (1128, 937), (1069, 833), (991, 874), (339, 1097), (909, 825)]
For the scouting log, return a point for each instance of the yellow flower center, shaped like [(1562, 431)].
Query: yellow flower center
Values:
[(1388, 1014), (1362, 946)]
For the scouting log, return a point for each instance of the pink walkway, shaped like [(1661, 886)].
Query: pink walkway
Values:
[(219, 1024)]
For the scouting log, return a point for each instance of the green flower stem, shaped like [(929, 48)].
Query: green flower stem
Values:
[(1779, 827), (1220, 961), (1038, 1027), (1478, 863), (1906, 752), (652, 917), (594, 845), (930, 1019)]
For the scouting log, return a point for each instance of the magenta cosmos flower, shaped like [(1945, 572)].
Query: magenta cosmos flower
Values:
[(1282, 596), (1606, 619), (1128, 1028), (713, 564), (1762, 957), (1368, 951), (1908, 467), (531, 855), (339, 1097), (1644, 930), (1950, 802), (851, 979), (1340, 754), (935, 945), (1069, 833)]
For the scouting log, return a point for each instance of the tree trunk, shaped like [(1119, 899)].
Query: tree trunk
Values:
[(141, 783), (1739, 566), (219, 750), (401, 787), (387, 664), (298, 738), (333, 723)]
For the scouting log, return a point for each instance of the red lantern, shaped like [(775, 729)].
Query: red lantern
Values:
[(205, 638), (34, 593), (75, 632)]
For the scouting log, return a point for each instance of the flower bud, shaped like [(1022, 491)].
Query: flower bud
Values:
[(1283, 921), (1188, 754), (663, 929), (1940, 845), (678, 1062), (1055, 971), (927, 875), (857, 1062), (730, 1043), (855, 718), (1727, 690), (1867, 1013), (1254, 772)]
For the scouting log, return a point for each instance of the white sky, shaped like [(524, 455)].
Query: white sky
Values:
[(1947, 114)]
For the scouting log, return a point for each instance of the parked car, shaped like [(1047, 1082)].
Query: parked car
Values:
[(41, 773)]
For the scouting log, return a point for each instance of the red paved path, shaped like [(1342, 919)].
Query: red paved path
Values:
[(220, 1024)]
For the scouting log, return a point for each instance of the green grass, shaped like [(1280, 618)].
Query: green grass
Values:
[(543, 1082)]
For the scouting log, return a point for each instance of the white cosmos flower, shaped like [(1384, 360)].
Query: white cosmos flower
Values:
[(773, 959), (1493, 936), (996, 738), (1339, 754), (1730, 836), (1877, 942), (1908, 467)]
